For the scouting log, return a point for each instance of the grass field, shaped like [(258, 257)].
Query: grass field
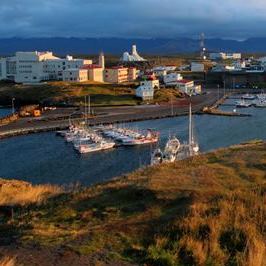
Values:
[(68, 93), (209, 210), (63, 93)]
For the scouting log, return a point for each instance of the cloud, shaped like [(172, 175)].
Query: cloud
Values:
[(132, 18)]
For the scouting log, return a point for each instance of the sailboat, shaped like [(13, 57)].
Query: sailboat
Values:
[(174, 150), (193, 144)]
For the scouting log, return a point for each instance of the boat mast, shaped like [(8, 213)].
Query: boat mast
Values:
[(85, 109), (190, 127)]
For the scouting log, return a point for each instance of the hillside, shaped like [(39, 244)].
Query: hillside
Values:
[(117, 46), (209, 210)]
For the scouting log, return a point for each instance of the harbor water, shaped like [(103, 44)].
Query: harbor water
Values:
[(5, 111), (47, 158)]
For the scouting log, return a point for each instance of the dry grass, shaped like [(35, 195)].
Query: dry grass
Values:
[(7, 261), (22, 193), (209, 210)]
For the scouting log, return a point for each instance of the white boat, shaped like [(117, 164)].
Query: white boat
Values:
[(93, 147), (151, 137), (157, 157), (260, 103), (174, 150), (248, 97), (171, 149), (242, 104)]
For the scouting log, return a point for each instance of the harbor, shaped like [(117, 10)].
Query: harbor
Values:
[(55, 161)]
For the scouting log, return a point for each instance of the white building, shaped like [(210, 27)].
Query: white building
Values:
[(197, 67), (34, 67), (224, 56), (171, 79), (146, 89), (186, 86), (133, 57)]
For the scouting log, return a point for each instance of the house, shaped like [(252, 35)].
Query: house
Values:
[(146, 89), (171, 79), (185, 86)]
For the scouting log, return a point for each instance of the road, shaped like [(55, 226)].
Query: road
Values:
[(59, 119)]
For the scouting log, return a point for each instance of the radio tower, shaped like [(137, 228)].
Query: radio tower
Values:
[(202, 46)]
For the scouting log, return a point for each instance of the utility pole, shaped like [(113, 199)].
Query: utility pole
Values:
[(218, 96), (224, 87)]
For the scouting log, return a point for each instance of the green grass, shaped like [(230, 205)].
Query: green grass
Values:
[(209, 210), (69, 93)]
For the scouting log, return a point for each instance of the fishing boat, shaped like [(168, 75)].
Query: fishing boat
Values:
[(171, 149), (149, 138), (242, 104), (248, 97), (93, 147), (174, 150), (157, 157), (260, 103)]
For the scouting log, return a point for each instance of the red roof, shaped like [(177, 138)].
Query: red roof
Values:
[(116, 67), (184, 81), (90, 66)]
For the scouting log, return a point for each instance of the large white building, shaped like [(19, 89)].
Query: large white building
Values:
[(133, 57), (34, 67)]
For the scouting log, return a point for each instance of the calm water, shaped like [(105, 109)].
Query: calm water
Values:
[(46, 158), (4, 112)]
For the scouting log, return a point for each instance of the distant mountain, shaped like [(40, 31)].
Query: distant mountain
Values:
[(117, 46)]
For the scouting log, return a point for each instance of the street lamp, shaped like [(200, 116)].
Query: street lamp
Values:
[(13, 105)]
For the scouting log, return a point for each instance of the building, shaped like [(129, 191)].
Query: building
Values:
[(75, 75), (8, 68), (35, 67), (161, 71), (171, 79), (224, 56), (96, 72), (197, 67), (120, 74), (133, 57), (186, 86), (146, 89)]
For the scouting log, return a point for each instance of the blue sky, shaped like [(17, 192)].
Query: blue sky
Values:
[(237, 19)]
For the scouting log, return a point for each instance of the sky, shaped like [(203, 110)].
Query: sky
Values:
[(234, 19)]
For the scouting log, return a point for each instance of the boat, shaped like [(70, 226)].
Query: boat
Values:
[(242, 104), (157, 157), (174, 150), (260, 103), (93, 147), (149, 138), (248, 97), (171, 149)]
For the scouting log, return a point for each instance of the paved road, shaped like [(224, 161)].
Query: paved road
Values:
[(58, 119)]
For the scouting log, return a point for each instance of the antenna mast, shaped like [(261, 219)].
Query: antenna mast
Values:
[(202, 46)]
